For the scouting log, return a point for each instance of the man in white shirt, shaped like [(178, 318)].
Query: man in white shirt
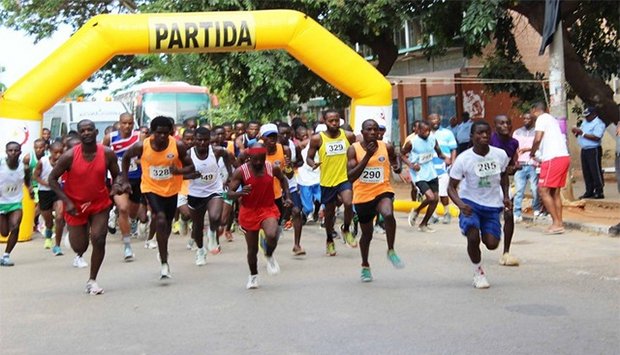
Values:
[(555, 163)]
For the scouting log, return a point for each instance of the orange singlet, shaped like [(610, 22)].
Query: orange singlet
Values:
[(277, 159), (375, 178), (156, 175)]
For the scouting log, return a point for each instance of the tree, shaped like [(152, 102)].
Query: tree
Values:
[(2, 86)]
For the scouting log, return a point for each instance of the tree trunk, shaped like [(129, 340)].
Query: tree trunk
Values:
[(387, 52)]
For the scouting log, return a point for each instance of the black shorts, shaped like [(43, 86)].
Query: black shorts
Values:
[(46, 200), (367, 211), (330, 194), (136, 193), (296, 198), (199, 203), (167, 205), (424, 186)]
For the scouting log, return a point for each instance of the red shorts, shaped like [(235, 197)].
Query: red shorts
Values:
[(251, 219), (553, 172), (85, 210)]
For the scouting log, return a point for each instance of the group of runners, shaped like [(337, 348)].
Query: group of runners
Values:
[(260, 177)]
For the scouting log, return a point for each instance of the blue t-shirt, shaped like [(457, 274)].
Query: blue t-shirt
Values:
[(595, 127), (422, 151), (447, 143), (463, 132)]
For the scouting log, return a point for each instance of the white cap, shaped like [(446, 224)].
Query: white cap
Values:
[(268, 129), (381, 122)]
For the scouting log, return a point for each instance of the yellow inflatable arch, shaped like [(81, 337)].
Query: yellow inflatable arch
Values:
[(104, 36)]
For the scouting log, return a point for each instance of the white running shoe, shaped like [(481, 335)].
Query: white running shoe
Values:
[(112, 222), (128, 252), (212, 245), (143, 230), (273, 268), (92, 288), (426, 229), (79, 262), (165, 271), (252, 282), (413, 215), (447, 218), (191, 244), (201, 257), (150, 244), (480, 281)]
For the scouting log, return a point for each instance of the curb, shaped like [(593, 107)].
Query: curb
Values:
[(584, 227)]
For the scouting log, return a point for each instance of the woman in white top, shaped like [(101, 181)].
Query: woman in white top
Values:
[(205, 191)]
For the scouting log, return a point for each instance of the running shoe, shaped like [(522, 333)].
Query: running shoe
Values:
[(447, 218), (128, 252), (434, 219), (143, 230), (150, 244), (480, 281), (183, 228), (298, 251), (252, 282), (212, 245), (395, 259), (413, 215), (92, 288), (49, 243), (6, 261), (262, 242), (378, 229), (288, 225), (79, 262), (191, 244), (233, 226), (519, 218), (348, 237), (134, 227), (310, 218), (366, 275), (176, 227), (273, 268), (331, 249), (201, 257), (508, 260), (112, 222), (165, 271), (426, 229), (48, 234), (56, 250)]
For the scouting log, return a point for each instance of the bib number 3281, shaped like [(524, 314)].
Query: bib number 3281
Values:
[(335, 148)]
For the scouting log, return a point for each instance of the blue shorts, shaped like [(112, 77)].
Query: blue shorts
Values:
[(483, 218), (296, 198), (309, 194), (330, 194)]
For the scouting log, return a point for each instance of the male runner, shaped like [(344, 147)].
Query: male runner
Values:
[(87, 204), (247, 139), (257, 208), (127, 204), (447, 144), (31, 160), (502, 139), (482, 169), (164, 160), (205, 189), (332, 147), (13, 175), (227, 216), (369, 168)]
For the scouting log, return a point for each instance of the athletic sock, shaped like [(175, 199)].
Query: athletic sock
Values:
[(478, 267), (126, 240), (6, 255)]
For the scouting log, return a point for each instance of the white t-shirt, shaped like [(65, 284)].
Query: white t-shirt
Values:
[(480, 176), (553, 144), (305, 175)]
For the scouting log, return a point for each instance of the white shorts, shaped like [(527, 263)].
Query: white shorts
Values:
[(444, 180), (181, 200)]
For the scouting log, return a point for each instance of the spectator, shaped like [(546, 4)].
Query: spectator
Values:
[(527, 172), (589, 136), (462, 132)]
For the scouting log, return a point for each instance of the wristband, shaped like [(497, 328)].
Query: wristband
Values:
[(225, 195), (288, 170)]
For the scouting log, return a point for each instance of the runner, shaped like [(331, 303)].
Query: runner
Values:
[(404, 158), (423, 173), (308, 180), (257, 208), (31, 159), (245, 139), (332, 147), (503, 140), (87, 205), (277, 155), (482, 169), (164, 160), (49, 204), (369, 168), (447, 144), (227, 207), (128, 204), (205, 190), (14, 174), (182, 218)]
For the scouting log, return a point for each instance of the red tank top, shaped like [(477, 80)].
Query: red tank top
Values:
[(262, 187), (85, 182)]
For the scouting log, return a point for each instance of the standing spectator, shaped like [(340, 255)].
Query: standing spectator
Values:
[(589, 137), (554, 166), (462, 132), (618, 155), (527, 172)]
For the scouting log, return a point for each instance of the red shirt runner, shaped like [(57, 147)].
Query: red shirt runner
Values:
[(259, 204)]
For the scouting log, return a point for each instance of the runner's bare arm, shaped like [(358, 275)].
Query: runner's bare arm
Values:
[(288, 169), (315, 144), (354, 167), (106, 140), (186, 160), (133, 151), (287, 201), (440, 153), (62, 165), (111, 163), (537, 139), (350, 137), (37, 174), (394, 161), (454, 196), (505, 184), (403, 154), (235, 181)]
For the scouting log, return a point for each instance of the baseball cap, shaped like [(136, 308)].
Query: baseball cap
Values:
[(381, 122), (268, 129), (588, 111)]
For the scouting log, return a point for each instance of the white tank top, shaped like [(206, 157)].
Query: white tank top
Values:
[(292, 183), (46, 169), (222, 169), (210, 181), (305, 175), (12, 182)]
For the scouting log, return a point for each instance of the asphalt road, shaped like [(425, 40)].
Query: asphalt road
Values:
[(563, 299)]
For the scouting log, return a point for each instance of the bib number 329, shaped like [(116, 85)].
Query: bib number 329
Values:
[(335, 148)]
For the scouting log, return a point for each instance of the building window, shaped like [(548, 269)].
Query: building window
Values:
[(414, 29), (395, 124), (414, 111), (400, 36), (444, 105)]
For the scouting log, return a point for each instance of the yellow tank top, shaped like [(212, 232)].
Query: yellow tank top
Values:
[(333, 157), (156, 175), (277, 159), (375, 178)]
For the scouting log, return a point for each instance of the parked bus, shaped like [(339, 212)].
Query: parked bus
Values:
[(178, 100)]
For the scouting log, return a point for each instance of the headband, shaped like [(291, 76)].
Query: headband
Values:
[(256, 151)]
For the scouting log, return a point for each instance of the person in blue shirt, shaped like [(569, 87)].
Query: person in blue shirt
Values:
[(462, 133), (447, 144), (589, 136)]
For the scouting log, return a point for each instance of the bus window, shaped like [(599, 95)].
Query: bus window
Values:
[(180, 106)]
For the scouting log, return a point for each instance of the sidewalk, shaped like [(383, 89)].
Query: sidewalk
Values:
[(596, 216)]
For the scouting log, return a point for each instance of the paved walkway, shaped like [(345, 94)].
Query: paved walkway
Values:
[(563, 299)]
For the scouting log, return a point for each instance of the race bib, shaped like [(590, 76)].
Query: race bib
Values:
[(372, 175), (10, 189), (335, 148), (487, 167), (208, 177), (425, 158), (160, 172)]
